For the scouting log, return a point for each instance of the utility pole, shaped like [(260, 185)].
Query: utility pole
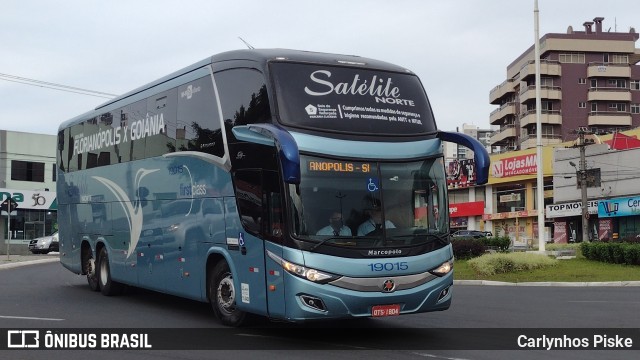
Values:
[(582, 176)]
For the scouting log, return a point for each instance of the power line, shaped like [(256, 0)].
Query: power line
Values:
[(54, 86)]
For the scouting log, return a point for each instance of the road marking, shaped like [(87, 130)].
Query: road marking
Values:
[(28, 318), (603, 301)]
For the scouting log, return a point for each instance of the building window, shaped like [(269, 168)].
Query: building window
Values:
[(605, 58), (635, 84), (635, 108), (582, 81), (576, 58), (546, 81), (620, 59), (594, 107), (618, 106), (27, 171), (617, 83), (53, 172), (582, 105), (594, 83)]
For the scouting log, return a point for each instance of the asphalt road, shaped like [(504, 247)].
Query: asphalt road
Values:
[(48, 296)]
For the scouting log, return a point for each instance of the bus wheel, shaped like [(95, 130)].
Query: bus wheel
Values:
[(108, 287), (223, 295), (90, 270)]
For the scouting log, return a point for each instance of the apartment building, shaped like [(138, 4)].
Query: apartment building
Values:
[(588, 78)]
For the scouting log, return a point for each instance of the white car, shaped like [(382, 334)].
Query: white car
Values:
[(45, 244)]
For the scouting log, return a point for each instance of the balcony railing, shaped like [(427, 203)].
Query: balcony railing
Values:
[(505, 132), (546, 117), (531, 140), (547, 67), (609, 94), (501, 90), (608, 70), (502, 111), (546, 92), (606, 118)]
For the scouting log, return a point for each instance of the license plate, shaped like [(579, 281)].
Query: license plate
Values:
[(385, 310)]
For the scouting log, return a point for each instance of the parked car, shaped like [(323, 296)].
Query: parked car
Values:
[(471, 234), (45, 244)]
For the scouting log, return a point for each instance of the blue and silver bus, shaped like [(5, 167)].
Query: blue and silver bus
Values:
[(288, 184)]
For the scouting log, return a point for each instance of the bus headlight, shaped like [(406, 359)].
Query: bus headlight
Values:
[(314, 275), (443, 269)]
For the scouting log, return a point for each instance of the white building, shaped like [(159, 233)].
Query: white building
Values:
[(28, 176)]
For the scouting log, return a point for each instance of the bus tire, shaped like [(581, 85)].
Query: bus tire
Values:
[(90, 270), (223, 295), (108, 287)]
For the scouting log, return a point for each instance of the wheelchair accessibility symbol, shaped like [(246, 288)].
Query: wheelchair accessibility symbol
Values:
[(373, 185)]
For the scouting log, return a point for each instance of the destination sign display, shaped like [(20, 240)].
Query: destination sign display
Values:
[(339, 166)]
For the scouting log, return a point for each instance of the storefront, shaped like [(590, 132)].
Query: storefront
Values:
[(35, 216), (518, 225), (567, 221), (460, 214), (512, 196), (619, 218)]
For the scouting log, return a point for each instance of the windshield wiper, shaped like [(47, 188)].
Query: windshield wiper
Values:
[(324, 241), (444, 238), (351, 238)]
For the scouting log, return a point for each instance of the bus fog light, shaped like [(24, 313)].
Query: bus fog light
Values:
[(444, 293), (313, 302)]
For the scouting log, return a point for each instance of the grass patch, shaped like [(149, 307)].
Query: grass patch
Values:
[(573, 270), (502, 263)]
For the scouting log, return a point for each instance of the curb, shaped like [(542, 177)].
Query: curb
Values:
[(567, 284), (28, 262)]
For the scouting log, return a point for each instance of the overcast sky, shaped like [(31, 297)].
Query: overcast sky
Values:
[(459, 48)]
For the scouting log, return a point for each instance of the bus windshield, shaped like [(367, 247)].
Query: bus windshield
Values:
[(351, 100), (369, 204)]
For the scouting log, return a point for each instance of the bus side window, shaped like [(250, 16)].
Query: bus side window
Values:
[(248, 185), (243, 98)]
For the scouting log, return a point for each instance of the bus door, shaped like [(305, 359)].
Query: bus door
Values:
[(258, 209)]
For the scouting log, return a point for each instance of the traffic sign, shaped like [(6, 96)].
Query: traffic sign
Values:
[(9, 201)]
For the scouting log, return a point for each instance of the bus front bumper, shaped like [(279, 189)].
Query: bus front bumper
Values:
[(309, 301)]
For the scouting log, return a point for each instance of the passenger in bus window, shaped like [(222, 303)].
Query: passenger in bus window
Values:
[(374, 222), (335, 227)]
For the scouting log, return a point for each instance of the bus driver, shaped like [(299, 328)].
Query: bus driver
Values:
[(335, 226), (374, 222)]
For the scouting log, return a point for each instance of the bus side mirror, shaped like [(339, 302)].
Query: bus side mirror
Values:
[(286, 145)]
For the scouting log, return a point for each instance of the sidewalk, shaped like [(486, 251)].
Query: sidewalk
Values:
[(23, 260)]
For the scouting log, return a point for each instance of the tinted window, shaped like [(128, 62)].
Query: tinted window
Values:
[(161, 137), (243, 97), (198, 124), (27, 171), (351, 100), (249, 197)]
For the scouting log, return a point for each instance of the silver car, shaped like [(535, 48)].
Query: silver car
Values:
[(45, 244)]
